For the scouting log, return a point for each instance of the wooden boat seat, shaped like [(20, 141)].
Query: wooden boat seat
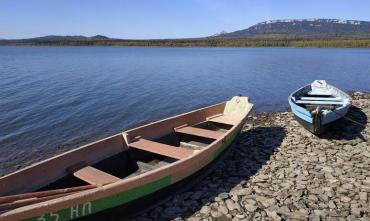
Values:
[(321, 98), (320, 93), (94, 176), (224, 119), (200, 132), (162, 149), (318, 102)]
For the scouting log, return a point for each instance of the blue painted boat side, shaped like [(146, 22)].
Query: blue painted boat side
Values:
[(300, 112)]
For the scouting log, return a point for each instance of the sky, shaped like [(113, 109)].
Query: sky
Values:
[(156, 19)]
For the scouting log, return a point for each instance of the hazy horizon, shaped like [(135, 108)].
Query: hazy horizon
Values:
[(163, 19)]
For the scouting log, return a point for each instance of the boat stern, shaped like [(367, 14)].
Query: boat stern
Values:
[(238, 106)]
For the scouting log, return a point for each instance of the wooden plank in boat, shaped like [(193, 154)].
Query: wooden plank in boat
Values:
[(320, 93), (162, 149), (224, 119), (200, 132), (321, 98), (318, 102), (94, 176)]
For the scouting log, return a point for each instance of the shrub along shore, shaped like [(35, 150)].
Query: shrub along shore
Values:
[(279, 171)]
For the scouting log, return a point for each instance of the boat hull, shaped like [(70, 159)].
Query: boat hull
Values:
[(140, 198), (303, 117)]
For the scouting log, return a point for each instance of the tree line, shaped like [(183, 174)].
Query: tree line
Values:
[(216, 42)]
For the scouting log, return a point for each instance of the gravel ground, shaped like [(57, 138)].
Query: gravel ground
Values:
[(279, 171)]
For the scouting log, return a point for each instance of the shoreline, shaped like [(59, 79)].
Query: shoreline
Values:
[(204, 42), (279, 171)]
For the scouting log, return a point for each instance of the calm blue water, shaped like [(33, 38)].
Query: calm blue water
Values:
[(56, 98)]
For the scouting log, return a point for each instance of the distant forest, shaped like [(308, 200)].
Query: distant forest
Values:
[(214, 42)]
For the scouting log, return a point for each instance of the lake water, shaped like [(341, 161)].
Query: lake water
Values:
[(55, 98)]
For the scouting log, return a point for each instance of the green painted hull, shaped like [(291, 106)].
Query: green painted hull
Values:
[(83, 210)]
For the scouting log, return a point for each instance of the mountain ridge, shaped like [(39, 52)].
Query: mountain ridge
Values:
[(305, 28)]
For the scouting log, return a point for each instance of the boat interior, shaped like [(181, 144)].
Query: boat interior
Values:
[(122, 156), (310, 100)]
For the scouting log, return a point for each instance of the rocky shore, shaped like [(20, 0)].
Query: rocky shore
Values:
[(279, 171)]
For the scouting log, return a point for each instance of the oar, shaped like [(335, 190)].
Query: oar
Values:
[(11, 198), (351, 120), (29, 201), (3, 211)]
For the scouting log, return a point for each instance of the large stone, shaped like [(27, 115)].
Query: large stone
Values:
[(194, 218), (261, 178), (268, 202), (298, 215), (240, 216), (363, 196), (222, 209), (327, 169), (365, 188), (347, 186), (351, 218), (206, 210), (314, 217), (250, 201), (230, 204), (216, 214), (332, 204), (284, 210), (313, 198), (273, 215), (355, 210), (242, 192), (223, 195)]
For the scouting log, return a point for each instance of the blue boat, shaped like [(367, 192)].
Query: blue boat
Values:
[(317, 105)]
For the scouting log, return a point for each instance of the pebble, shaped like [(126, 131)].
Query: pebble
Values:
[(363, 196), (216, 213), (332, 204), (345, 199), (223, 196), (250, 207), (279, 171)]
